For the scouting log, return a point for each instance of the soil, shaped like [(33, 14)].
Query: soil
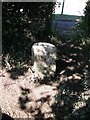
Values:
[(67, 96), (23, 98)]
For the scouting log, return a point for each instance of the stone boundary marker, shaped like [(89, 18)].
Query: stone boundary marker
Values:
[(44, 59)]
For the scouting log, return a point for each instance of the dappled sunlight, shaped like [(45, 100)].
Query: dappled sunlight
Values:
[(38, 101), (61, 96), (72, 82)]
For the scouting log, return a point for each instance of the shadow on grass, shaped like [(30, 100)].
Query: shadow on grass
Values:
[(6, 117), (17, 71), (72, 81)]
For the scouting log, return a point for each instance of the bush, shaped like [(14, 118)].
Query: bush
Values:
[(87, 18), (23, 24), (84, 24)]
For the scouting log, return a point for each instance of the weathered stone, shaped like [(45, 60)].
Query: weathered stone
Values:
[(44, 59)]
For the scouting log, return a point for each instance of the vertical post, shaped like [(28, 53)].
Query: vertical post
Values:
[(62, 7), (44, 59)]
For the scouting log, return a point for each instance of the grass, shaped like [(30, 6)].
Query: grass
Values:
[(73, 80)]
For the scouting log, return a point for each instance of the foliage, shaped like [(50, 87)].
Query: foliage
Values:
[(23, 24), (84, 24), (87, 18)]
